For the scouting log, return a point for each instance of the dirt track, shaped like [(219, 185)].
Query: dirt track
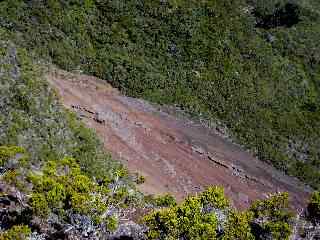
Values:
[(175, 156)]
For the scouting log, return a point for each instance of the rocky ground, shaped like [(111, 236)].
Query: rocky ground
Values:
[(175, 155)]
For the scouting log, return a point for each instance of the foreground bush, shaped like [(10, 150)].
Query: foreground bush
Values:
[(192, 219), (58, 188), (61, 188), (209, 216), (272, 217), (16, 233)]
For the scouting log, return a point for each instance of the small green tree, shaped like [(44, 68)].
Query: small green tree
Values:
[(238, 226), (190, 219), (166, 201), (273, 217), (215, 196), (112, 223), (63, 186)]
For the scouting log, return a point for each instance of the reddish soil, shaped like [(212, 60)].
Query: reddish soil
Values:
[(175, 155)]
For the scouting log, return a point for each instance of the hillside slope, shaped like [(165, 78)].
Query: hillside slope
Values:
[(32, 117), (54, 173), (57, 182), (252, 66), (175, 156)]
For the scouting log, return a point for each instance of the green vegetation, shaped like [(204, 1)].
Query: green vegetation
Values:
[(198, 217), (238, 226), (31, 117), (16, 233), (112, 223), (273, 216), (252, 66), (60, 187), (48, 157), (9, 152), (190, 219), (187, 220), (140, 179), (166, 200), (162, 201)]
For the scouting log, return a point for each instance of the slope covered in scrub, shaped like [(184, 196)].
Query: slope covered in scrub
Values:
[(59, 175), (32, 117), (175, 155), (58, 183), (252, 66)]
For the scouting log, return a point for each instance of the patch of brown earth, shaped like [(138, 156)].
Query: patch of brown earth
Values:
[(175, 156)]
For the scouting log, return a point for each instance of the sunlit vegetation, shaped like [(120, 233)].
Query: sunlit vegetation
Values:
[(16, 233), (140, 179), (60, 187), (7, 153), (188, 220), (238, 226), (273, 218), (166, 200), (210, 216)]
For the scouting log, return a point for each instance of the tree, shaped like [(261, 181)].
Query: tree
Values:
[(238, 226), (272, 217), (193, 219)]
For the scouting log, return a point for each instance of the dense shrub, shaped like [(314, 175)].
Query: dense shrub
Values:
[(16, 233), (9, 152), (60, 188), (63, 186), (209, 216), (272, 217), (189, 220), (253, 65), (238, 226), (166, 200), (112, 223)]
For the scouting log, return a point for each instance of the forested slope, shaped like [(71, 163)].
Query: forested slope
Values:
[(253, 66)]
